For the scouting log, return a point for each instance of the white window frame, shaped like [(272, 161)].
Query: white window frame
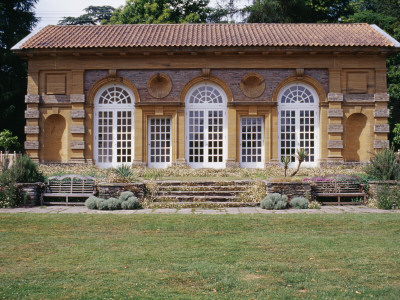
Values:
[(115, 108), (206, 107), (159, 165), (297, 107), (260, 164)]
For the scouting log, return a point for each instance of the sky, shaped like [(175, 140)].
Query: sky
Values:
[(51, 11)]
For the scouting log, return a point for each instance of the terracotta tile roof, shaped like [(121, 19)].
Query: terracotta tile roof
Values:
[(204, 35)]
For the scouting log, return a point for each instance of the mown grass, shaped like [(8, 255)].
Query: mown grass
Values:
[(200, 257)]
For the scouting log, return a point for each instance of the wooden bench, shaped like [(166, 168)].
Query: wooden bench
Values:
[(339, 190), (68, 186)]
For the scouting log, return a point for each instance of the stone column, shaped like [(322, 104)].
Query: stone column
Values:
[(180, 145), (232, 161), (140, 126)]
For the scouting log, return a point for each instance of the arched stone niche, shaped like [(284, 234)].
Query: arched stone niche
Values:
[(159, 85), (357, 138), (55, 139), (252, 85)]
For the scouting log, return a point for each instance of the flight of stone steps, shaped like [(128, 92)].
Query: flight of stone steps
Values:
[(202, 194)]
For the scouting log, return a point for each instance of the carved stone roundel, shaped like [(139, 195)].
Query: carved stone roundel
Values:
[(159, 85), (252, 85)]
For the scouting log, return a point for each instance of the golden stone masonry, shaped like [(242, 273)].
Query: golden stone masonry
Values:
[(206, 95)]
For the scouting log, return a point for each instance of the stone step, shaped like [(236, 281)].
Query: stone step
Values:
[(203, 188), (202, 204), (206, 183), (195, 198), (198, 193)]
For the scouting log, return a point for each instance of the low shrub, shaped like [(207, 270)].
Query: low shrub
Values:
[(125, 195), (113, 204), (131, 203), (388, 197), (24, 170), (314, 205), (10, 196), (102, 204), (299, 202), (274, 201), (384, 165), (91, 202)]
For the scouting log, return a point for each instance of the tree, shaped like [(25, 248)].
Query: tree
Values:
[(16, 21), (162, 11), (94, 15), (277, 11), (385, 14), (297, 11), (8, 142), (226, 12)]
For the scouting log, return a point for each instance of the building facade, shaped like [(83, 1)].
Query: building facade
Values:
[(206, 95)]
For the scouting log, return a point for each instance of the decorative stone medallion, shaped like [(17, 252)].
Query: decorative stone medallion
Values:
[(159, 85), (252, 85)]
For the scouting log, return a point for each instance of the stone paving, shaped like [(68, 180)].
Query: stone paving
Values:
[(188, 211)]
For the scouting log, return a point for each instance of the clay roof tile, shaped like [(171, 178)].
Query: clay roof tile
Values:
[(207, 35)]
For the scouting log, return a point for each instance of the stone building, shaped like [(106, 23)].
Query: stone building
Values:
[(206, 95)]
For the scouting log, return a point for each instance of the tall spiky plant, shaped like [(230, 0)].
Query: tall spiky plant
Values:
[(285, 161), (301, 157), (384, 165)]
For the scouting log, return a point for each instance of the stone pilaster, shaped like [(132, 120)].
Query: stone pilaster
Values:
[(32, 129), (77, 128), (335, 128), (381, 126)]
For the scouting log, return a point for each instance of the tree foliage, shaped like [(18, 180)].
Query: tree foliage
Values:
[(94, 15), (225, 12), (8, 142), (16, 21), (297, 11), (385, 14), (162, 11)]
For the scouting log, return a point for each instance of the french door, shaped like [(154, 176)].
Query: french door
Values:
[(252, 142), (205, 123), (159, 143), (113, 126), (205, 137), (298, 132), (298, 123), (114, 137)]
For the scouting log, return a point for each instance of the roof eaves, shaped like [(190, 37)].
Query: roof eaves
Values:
[(386, 35), (21, 42)]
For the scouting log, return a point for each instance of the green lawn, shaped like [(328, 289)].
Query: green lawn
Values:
[(344, 256)]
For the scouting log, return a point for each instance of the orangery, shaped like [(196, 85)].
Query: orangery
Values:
[(206, 95)]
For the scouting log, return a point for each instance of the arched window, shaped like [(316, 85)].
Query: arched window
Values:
[(206, 126), (113, 125), (298, 122)]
